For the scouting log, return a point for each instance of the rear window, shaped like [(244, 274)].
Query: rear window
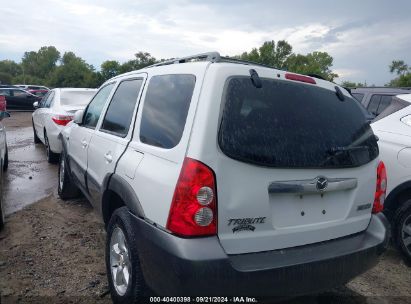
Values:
[(293, 125), (165, 109), (73, 98)]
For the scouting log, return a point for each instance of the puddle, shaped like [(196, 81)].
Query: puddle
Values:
[(29, 177)]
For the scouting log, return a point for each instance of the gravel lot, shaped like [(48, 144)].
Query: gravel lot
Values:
[(53, 251)]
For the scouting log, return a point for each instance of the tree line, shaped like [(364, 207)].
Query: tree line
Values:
[(49, 67), (397, 67)]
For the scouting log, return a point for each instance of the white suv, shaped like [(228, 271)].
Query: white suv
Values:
[(393, 127), (217, 176)]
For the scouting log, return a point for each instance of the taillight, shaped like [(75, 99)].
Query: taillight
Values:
[(301, 78), (62, 120), (193, 211), (381, 189)]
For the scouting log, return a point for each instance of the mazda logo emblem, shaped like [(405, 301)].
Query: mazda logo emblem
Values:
[(321, 183)]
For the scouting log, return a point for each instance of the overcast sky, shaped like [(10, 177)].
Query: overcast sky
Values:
[(362, 36)]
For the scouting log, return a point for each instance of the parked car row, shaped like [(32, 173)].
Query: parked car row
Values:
[(222, 171), (21, 97)]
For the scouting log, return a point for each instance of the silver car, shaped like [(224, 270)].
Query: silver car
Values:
[(4, 160)]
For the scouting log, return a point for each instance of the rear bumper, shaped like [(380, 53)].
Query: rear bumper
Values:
[(53, 132), (177, 266)]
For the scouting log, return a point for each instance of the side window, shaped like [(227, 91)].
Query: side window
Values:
[(374, 103), (165, 109), (358, 96), (120, 111), (385, 102), (5, 92), (19, 93), (43, 100), (48, 101), (95, 107)]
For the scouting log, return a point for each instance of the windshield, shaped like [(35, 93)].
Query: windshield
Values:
[(293, 125), (74, 98)]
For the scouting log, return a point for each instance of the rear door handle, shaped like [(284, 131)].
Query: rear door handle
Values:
[(108, 157), (84, 143)]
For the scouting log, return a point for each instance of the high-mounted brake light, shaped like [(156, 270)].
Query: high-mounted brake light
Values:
[(62, 120), (381, 189), (193, 211), (301, 78)]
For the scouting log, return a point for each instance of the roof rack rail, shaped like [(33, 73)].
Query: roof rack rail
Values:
[(383, 87), (210, 56), (235, 60)]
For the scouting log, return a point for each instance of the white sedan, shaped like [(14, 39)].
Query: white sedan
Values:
[(393, 127), (56, 110)]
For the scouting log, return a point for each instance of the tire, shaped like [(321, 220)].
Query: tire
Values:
[(6, 160), (136, 289), (36, 138), (402, 230), (66, 187), (52, 157), (2, 215)]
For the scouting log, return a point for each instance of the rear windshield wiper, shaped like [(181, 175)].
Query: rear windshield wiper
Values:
[(336, 152)]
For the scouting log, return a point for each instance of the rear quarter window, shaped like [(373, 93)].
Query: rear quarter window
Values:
[(358, 96), (76, 98), (165, 109), (292, 125)]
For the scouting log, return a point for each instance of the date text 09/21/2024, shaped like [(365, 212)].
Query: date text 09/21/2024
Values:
[(203, 300)]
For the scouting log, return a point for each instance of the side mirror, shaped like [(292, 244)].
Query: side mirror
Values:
[(78, 117), (36, 105)]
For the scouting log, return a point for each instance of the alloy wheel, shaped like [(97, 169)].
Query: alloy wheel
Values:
[(406, 233), (61, 173), (119, 261), (47, 144)]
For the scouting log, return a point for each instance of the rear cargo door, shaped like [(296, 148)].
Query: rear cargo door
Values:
[(295, 167)]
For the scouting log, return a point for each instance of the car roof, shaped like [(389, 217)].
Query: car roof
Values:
[(406, 97), (75, 89), (30, 85), (381, 90), (13, 88), (200, 62)]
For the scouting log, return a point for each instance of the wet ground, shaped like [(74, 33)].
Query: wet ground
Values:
[(30, 177), (53, 251)]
